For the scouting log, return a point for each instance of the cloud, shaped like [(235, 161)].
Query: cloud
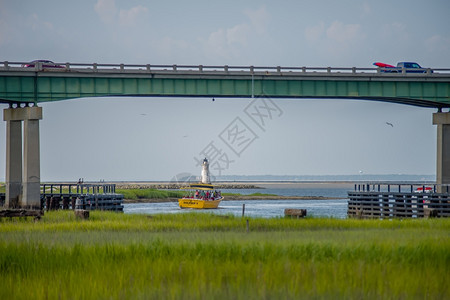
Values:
[(230, 43), (107, 10), (238, 34), (109, 14), (130, 17), (4, 28), (343, 33), (438, 44), (366, 9), (395, 31), (217, 43), (337, 32), (169, 48), (334, 40), (315, 33), (38, 25), (259, 19)]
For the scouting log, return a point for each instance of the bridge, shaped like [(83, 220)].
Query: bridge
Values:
[(23, 88), (67, 81)]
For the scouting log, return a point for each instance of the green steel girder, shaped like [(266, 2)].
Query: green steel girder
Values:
[(420, 92)]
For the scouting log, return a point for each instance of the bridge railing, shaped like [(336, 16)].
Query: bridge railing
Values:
[(245, 70)]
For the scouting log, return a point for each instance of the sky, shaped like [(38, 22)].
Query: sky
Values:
[(125, 138)]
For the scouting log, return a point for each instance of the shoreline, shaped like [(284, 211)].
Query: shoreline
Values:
[(237, 184), (234, 197)]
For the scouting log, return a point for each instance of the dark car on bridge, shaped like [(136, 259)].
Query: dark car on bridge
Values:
[(45, 64)]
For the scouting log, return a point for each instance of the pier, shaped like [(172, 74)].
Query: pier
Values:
[(86, 196), (399, 200)]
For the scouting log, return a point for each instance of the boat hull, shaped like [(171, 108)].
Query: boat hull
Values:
[(198, 203)]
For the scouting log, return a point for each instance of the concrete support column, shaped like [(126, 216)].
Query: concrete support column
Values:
[(31, 171), (13, 163), (22, 188), (442, 120)]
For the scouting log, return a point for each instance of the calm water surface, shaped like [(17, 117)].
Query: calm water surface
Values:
[(336, 208)]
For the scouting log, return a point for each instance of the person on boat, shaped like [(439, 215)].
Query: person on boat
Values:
[(196, 194)]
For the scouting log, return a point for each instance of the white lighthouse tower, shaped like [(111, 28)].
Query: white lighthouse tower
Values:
[(205, 172)]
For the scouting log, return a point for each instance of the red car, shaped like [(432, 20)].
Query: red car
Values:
[(45, 64)]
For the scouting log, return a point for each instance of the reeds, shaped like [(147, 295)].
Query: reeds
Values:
[(192, 256), (134, 194)]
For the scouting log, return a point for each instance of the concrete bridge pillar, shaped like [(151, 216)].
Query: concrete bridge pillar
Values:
[(13, 163), (442, 120), (22, 188)]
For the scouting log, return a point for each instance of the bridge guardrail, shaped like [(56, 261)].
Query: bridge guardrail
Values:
[(257, 70)]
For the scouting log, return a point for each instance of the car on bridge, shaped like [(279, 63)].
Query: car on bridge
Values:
[(409, 67), (45, 64)]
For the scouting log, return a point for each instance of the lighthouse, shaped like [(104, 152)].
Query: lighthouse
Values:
[(205, 172)]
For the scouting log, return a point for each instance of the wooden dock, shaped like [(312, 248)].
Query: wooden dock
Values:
[(86, 196), (398, 200)]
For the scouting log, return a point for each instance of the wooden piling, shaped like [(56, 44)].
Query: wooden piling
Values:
[(295, 213), (81, 214), (9, 213), (430, 212)]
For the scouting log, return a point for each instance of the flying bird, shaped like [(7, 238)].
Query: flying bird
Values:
[(390, 124)]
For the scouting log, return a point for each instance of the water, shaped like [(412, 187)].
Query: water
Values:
[(335, 208), (329, 192)]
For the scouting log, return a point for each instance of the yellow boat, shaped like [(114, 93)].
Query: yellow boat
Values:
[(201, 195)]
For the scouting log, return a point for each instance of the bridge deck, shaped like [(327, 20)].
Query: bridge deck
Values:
[(69, 80)]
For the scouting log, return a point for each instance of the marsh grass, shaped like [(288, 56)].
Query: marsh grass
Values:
[(192, 256), (134, 194)]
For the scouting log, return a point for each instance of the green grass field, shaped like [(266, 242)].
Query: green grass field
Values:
[(206, 256)]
